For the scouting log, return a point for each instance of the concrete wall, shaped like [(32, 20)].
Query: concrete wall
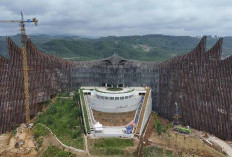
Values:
[(116, 70)]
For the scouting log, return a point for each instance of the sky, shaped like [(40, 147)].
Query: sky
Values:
[(97, 18)]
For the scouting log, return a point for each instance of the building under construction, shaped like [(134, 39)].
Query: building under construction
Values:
[(200, 82)]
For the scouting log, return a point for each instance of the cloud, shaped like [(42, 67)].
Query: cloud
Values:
[(120, 17)]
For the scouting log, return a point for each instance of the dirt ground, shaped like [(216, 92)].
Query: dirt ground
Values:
[(230, 143), (188, 145), (114, 119), (29, 147), (224, 146), (25, 141)]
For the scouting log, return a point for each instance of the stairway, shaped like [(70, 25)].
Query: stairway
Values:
[(137, 131)]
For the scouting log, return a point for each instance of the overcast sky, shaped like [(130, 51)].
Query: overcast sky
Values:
[(120, 17)]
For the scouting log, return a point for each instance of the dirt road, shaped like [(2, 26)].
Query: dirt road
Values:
[(225, 146)]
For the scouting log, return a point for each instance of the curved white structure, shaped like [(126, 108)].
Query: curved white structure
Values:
[(103, 100), (113, 106), (126, 100)]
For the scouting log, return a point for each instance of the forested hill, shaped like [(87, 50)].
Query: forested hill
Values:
[(147, 47)]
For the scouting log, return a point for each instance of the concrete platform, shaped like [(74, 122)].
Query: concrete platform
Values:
[(113, 132)]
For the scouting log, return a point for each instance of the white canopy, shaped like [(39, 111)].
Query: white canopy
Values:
[(98, 126)]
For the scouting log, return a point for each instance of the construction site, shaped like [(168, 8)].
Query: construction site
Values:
[(118, 97), (105, 108)]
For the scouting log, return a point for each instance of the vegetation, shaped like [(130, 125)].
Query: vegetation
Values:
[(155, 151), (66, 94), (56, 152), (146, 47), (39, 131), (85, 111), (109, 146), (13, 133), (149, 47), (114, 89), (63, 118), (160, 128)]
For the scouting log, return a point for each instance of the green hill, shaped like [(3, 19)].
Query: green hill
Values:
[(147, 47)]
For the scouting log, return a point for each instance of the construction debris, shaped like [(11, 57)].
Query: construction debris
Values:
[(22, 144)]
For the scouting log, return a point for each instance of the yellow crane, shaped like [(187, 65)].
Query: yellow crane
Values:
[(22, 23)]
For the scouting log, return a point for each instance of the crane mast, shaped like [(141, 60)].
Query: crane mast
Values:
[(22, 23)]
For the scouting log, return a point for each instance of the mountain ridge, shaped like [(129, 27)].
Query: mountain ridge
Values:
[(151, 47)]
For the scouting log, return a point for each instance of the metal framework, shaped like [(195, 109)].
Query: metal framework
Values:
[(24, 60), (200, 82)]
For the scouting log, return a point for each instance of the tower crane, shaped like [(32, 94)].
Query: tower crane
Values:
[(22, 24)]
